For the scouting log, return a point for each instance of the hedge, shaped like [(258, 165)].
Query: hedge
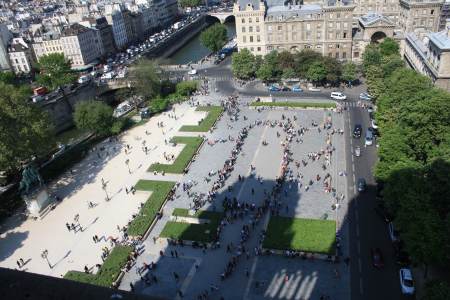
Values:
[(205, 125)]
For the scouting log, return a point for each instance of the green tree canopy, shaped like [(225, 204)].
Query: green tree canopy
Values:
[(264, 72), (25, 130), (316, 72), (7, 77), (243, 64), (214, 37), (349, 72), (288, 73), (389, 47), (371, 57), (55, 71), (189, 3), (94, 116), (146, 77), (304, 59)]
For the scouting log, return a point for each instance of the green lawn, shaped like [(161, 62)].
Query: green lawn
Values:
[(160, 190), (193, 232), (181, 162), (317, 236), (108, 272), (205, 125), (297, 104)]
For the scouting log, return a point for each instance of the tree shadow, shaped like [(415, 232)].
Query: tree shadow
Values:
[(11, 241)]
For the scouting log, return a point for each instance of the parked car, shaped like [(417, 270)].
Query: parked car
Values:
[(285, 89), (361, 185), (273, 88), (377, 257), (365, 96), (406, 281), (368, 141), (374, 124), (297, 88), (357, 151), (338, 96), (393, 234), (357, 131), (313, 89)]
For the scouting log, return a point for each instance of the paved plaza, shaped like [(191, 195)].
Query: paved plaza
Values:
[(194, 271)]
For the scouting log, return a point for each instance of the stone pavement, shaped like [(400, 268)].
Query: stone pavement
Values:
[(307, 279), (26, 239)]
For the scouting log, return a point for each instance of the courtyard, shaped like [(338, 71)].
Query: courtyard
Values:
[(229, 223)]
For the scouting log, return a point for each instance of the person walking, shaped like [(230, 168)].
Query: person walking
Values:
[(68, 227)]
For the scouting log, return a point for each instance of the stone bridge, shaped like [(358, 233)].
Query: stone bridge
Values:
[(223, 16), (110, 85)]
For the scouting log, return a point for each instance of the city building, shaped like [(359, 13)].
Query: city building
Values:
[(20, 56), (115, 18), (430, 55), (445, 14), (5, 37)]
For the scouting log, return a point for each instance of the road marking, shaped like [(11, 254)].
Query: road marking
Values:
[(361, 286), (353, 167), (359, 265)]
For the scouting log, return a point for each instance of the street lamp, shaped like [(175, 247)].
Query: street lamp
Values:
[(44, 255), (106, 192), (127, 162)]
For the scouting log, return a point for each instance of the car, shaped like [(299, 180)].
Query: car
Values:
[(313, 89), (382, 212), (406, 281), (274, 88), (368, 141), (393, 234), (365, 96), (370, 109), (296, 88), (192, 72), (357, 151), (374, 124), (361, 185), (377, 257), (357, 131), (338, 96), (285, 89)]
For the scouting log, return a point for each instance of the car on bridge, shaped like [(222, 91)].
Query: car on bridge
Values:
[(274, 88)]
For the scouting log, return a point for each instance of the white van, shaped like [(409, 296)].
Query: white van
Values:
[(338, 96), (84, 79)]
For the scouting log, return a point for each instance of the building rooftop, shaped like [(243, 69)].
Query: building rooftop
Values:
[(293, 10), (74, 29), (372, 18), (243, 4), (440, 39)]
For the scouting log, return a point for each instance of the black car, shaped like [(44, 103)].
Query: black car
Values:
[(285, 89), (361, 185), (357, 131)]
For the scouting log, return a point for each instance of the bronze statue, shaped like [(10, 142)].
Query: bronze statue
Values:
[(30, 180)]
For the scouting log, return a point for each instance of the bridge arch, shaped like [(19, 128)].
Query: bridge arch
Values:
[(378, 37), (230, 19)]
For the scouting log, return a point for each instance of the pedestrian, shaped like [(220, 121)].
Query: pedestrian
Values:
[(180, 293), (94, 239), (126, 190), (171, 253), (176, 253), (176, 276), (68, 226), (132, 286), (22, 263), (86, 269), (347, 261), (161, 253), (19, 264), (247, 273)]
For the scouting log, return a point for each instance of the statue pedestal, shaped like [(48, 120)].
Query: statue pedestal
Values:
[(37, 200)]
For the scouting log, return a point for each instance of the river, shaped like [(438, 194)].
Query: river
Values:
[(194, 50)]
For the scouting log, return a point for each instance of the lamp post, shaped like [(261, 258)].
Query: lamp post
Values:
[(106, 192), (44, 255), (127, 162)]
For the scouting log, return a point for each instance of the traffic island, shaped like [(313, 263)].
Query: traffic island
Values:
[(201, 226), (181, 163), (294, 104), (303, 235), (214, 113), (109, 273), (147, 217)]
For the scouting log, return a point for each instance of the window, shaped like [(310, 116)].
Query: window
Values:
[(243, 21), (258, 49), (337, 54), (252, 49), (244, 39), (249, 20), (280, 27), (243, 29), (345, 35), (356, 54), (251, 39), (257, 20), (257, 28), (269, 28), (432, 12), (250, 29), (337, 46), (258, 38), (308, 26), (344, 55)]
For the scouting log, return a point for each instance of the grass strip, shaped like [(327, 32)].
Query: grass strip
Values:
[(205, 125), (108, 272), (296, 104), (181, 162), (160, 190), (193, 232), (309, 235)]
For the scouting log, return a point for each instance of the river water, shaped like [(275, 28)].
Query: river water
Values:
[(193, 50)]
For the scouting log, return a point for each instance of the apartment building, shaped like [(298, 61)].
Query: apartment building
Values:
[(115, 18), (20, 56), (430, 55)]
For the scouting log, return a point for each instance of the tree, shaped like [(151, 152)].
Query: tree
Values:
[(391, 63), (7, 77), (25, 130), (186, 88), (264, 72), (285, 60), (374, 76), (288, 73), (271, 59), (371, 57), (215, 37), (389, 47), (333, 68), (304, 59), (316, 72), (436, 290), (349, 72), (146, 76), (243, 64), (55, 71), (94, 116), (189, 3)]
